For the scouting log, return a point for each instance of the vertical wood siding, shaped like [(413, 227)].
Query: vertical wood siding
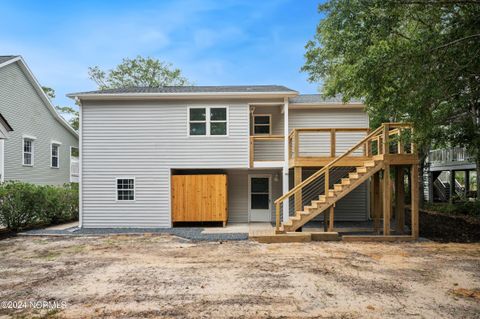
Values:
[(27, 113)]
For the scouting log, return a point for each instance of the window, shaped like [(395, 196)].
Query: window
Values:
[(205, 121), (262, 124), (27, 152), (125, 189), (55, 161)]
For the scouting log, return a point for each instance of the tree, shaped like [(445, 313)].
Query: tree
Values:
[(137, 72), (65, 111), (414, 61)]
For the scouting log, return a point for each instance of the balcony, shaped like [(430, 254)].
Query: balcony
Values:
[(455, 158), (266, 151)]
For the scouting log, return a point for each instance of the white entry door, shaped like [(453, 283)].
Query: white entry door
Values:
[(259, 197)]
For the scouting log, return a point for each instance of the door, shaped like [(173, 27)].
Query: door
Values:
[(259, 198)]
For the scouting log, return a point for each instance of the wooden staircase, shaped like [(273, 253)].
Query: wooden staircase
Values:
[(373, 152), (340, 190)]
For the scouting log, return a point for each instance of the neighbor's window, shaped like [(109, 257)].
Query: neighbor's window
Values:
[(27, 152), (204, 121), (55, 162), (125, 189), (261, 124)]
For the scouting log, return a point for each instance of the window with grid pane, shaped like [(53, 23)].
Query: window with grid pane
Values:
[(125, 189), (55, 160), (27, 152), (207, 121), (198, 121), (218, 121)]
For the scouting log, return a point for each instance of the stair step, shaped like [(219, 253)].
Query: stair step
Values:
[(353, 175), (295, 218), (303, 213), (338, 187), (361, 169), (322, 199), (345, 181), (369, 164), (331, 193), (288, 223)]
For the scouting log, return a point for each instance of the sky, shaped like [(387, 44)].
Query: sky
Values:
[(213, 42)]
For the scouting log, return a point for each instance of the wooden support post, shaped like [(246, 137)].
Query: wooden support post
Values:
[(415, 201), (327, 181), (330, 218), (297, 176), (467, 183), (296, 146), (277, 217), (387, 205), (333, 150), (386, 141), (399, 199), (376, 202)]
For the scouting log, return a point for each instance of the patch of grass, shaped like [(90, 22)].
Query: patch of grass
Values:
[(76, 249), (48, 255)]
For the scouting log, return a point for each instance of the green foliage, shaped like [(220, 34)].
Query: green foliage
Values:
[(67, 111), (24, 205), (469, 208), (413, 61), (138, 72)]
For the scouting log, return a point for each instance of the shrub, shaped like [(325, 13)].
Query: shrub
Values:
[(24, 205), (469, 208)]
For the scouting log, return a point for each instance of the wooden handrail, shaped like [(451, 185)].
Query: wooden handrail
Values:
[(338, 129), (267, 137), (323, 169)]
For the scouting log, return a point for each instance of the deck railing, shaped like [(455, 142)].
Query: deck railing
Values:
[(389, 138), (448, 155)]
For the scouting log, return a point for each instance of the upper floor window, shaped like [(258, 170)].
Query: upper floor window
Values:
[(28, 151), (262, 124), (126, 189), (207, 121), (55, 160)]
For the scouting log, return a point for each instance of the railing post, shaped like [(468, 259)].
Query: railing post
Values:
[(412, 145), (327, 181), (277, 216), (332, 143), (296, 146), (386, 145)]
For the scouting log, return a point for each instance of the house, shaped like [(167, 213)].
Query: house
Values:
[(152, 157), (39, 148)]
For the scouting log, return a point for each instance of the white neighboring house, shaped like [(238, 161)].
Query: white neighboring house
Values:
[(133, 141), (40, 148)]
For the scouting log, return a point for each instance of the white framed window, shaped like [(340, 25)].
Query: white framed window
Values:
[(208, 121), (55, 155), (27, 151), (125, 188), (262, 124)]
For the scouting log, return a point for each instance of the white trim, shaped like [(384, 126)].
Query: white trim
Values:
[(208, 120), (134, 189), (55, 142), (2, 159), (285, 177), (58, 155), (23, 65), (209, 95), (269, 124), (268, 164), (29, 137), (329, 105), (80, 161), (270, 199), (32, 152)]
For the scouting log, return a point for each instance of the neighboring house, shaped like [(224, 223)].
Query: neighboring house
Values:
[(134, 142), (40, 147)]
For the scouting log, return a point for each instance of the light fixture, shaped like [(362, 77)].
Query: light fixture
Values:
[(275, 178)]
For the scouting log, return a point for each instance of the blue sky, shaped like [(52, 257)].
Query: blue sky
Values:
[(214, 42)]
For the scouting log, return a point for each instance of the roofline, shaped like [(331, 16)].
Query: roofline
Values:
[(184, 95), (23, 65), (310, 105), (5, 123)]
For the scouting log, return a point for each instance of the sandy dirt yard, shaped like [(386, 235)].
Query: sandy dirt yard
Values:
[(168, 277)]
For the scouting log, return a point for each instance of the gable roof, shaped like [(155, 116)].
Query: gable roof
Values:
[(9, 59), (189, 91)]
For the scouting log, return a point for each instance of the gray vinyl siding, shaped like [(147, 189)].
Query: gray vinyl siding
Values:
[(28, 115), (238, 193), (318, 143), (352, 207), (270, 150), (145, 140)]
